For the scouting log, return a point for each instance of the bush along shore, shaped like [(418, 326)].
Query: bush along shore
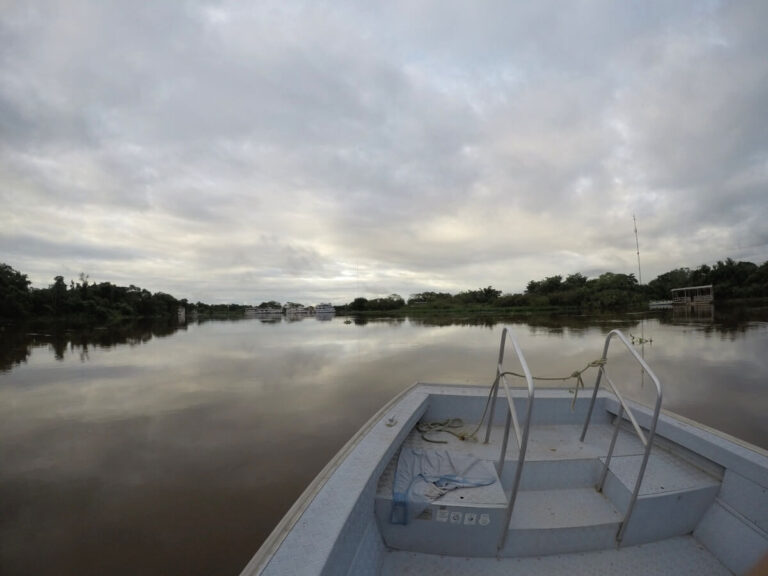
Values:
[(81, 303), (732, 282)]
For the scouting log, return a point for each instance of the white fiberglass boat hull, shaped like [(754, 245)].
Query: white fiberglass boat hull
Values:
[(333, 528)]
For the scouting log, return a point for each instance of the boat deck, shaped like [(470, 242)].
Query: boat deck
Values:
[(558, 510), (701, 506), (550, 446), (680, 556)]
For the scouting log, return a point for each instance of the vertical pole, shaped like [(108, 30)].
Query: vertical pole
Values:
[(616, 427), (640, 282), (597, 385), (495, 387), (637, 245), (504, 442)]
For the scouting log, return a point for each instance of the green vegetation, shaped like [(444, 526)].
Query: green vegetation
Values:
[(731, 280), (608, 292), (84, 302), (392, 302)]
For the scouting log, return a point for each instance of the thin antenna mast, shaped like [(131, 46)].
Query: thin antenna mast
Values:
[(642, 319), (637, 244)]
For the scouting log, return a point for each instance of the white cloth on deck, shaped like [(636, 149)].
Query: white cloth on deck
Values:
[(425, 475)]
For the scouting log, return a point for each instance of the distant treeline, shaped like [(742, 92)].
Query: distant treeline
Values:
[(609, 291), (84, 301)]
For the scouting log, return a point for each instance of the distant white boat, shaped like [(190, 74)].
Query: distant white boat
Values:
[(446, 480), (268, 310), (257, 312), (295, 309), (325, 308)]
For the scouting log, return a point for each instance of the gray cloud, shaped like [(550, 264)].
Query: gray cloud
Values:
[(293, 150)]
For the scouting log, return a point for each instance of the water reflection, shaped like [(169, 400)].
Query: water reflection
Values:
[(166, 449), (694, 313), (17, 344)]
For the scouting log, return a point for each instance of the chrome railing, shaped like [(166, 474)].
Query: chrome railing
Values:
[(522, 438), (647, 441)]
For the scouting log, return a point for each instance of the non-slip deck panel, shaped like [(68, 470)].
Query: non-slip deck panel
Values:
[(682, 556), (663, 474), (563, 508)]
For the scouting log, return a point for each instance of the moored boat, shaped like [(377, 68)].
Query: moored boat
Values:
[(325, 311), (325, 308), (462, 479)]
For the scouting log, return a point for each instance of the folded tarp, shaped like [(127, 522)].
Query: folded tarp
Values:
[(424, 475)]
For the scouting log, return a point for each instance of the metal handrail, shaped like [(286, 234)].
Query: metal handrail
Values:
[(522, 439), (624, 407)]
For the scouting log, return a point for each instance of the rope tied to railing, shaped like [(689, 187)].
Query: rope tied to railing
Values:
[(455, 426), (599, 363)]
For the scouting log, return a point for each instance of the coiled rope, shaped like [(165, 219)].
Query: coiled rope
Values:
[(451, 425), (455, 426)]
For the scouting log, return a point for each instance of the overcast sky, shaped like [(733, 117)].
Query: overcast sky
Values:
[(319, 151)]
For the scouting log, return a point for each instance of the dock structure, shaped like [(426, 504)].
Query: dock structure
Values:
[(693, 295)]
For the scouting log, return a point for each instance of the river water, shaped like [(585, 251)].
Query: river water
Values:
[(167, 450)]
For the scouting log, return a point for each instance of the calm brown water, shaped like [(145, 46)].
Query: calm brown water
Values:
[(163, 451)]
